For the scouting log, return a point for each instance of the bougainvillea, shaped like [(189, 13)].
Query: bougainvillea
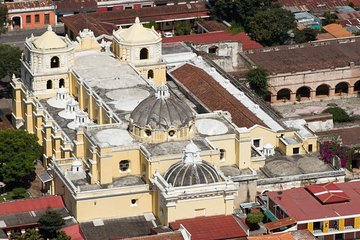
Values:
[(329, 149)]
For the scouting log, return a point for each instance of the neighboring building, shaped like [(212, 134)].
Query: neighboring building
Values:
[(337, 31), (307, 20), (30, 14), (328, 211), (310, 71), (166, 18), (20, 215), (71, 7), (295, 235), (224, 45), (215, 227)]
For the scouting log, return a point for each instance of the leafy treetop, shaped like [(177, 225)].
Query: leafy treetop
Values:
[(9, 60), (50, 223), (18, 150), (257, 79)]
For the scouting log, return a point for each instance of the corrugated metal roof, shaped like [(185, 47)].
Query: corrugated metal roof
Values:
[(328, 193)]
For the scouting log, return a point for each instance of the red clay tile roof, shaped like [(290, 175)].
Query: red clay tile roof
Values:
[(27, 205), (213, 37), (93, 21), (74, 231), (301, 205), (284, 222), (327, 193), (214, 96), (315, 5), (349, 136), (307, 57), (276, 236), (213, 26), (211, 228), (162, 236), (76, 6), (28, 4), (337, 30)]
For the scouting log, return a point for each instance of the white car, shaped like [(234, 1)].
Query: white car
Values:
[(168, 34)]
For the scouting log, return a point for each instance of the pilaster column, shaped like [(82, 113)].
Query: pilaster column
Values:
[(312, 94), (292, 97), (332, 92), (351, 90), (273, 98)]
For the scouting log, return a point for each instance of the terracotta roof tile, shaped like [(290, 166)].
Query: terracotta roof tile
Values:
[(76, 6), (307, 57), (214, 96), (162, 236), (211, 228), (27, 205), (93, 21), (220, 36), (337, 30), (28, 4)]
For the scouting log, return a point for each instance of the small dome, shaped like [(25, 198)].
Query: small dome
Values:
[(161, 111), (191, 170), (137, 33), (49, 40)]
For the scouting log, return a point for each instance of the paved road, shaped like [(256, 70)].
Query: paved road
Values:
[(17, 38)]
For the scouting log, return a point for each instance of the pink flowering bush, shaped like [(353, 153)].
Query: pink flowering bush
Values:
[(329, 149)]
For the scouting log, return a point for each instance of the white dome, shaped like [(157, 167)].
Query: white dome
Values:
[(137, 33), (49, 40)]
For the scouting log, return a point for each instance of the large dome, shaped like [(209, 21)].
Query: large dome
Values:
[(49, 40), (191, 170), (161, 112)]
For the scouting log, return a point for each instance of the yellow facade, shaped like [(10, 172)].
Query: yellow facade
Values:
[(87, 171)]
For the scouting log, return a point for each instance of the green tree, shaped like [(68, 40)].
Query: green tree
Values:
[(329, 18), (258, 81), (62, 236), (50, 223), (183, 28), (19, 193), (339, 114), (238, 10), (30, 234), (9, 60), (3, 17), (272, 26), (18, 150), (253, 218), (151, 24), (305, 35)]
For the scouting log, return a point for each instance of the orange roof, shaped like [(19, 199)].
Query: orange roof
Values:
[(337, 30), (277, 236), (284, 222)]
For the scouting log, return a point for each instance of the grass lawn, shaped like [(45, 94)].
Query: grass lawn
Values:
[(10, 196)]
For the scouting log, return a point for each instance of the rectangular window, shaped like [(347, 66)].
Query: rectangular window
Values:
[(296, 150), (37, 18), (109, 9), (47, 19), (310, 148), (28, 18), (128, 7), (256, 143)]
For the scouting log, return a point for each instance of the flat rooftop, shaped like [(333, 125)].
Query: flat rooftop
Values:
[(116, 228), (302, 205), (307, 56)]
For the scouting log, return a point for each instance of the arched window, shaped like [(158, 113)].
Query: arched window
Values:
[(150, 74), (357, 86), (323, 90), (171, 133), (303, 92), (55, 62), (49, 84), (283, 94), (61, 83), (342, 87), (144, 53), (124, 165), (148, 132)]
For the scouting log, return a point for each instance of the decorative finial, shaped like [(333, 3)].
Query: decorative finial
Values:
[(191, 154), (137, 20), (13, 76), (162, 92), (49, 28)]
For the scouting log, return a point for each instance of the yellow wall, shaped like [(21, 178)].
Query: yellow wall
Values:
[(113, 207)]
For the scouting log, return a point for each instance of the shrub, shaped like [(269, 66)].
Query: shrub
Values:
[(19, 193), (339, 114), (252, 220)]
